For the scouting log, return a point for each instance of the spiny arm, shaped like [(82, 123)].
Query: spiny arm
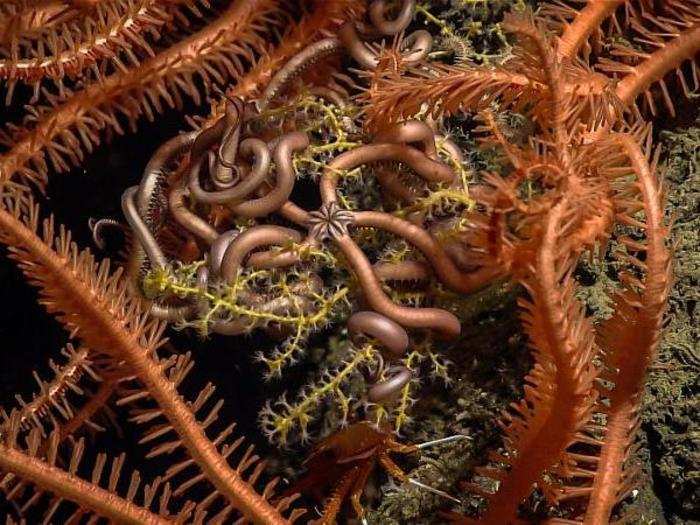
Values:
[(586, 22), (94, 306), (112, 33), (66, 485), (685, 45), (214, 52), (631, 337), (559, 393)]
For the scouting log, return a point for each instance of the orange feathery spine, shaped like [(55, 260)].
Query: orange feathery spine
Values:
[(88, 495), (94, 306), (63, 130), (445, 89), (670, 56), (448, 89), (552, 76), (559, 391), (51, 401), (586, 22), (631, 337), (30, 18), (110, 31), (96, 402)]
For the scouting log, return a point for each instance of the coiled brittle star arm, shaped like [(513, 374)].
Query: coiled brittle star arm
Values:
[(154, 174), (298, 63), (271, 202), (431, 318), (410, 131), (144, 210), (442, 264), (377, 14), (394, 338), (188, 220), (146, 242), (415, 47), (249, 147), (402, 271), (388, 332), (249, 240), (143, 235), (426, 168)]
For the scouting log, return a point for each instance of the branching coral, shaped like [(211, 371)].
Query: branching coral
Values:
[(325, 196)]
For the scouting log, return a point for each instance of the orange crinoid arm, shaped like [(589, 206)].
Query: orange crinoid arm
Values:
[(586, 22), (94, 306), (67, 485), (111, 31), (670, 56), (631, 337), (559, 393), (658, 39), (215, 52)]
